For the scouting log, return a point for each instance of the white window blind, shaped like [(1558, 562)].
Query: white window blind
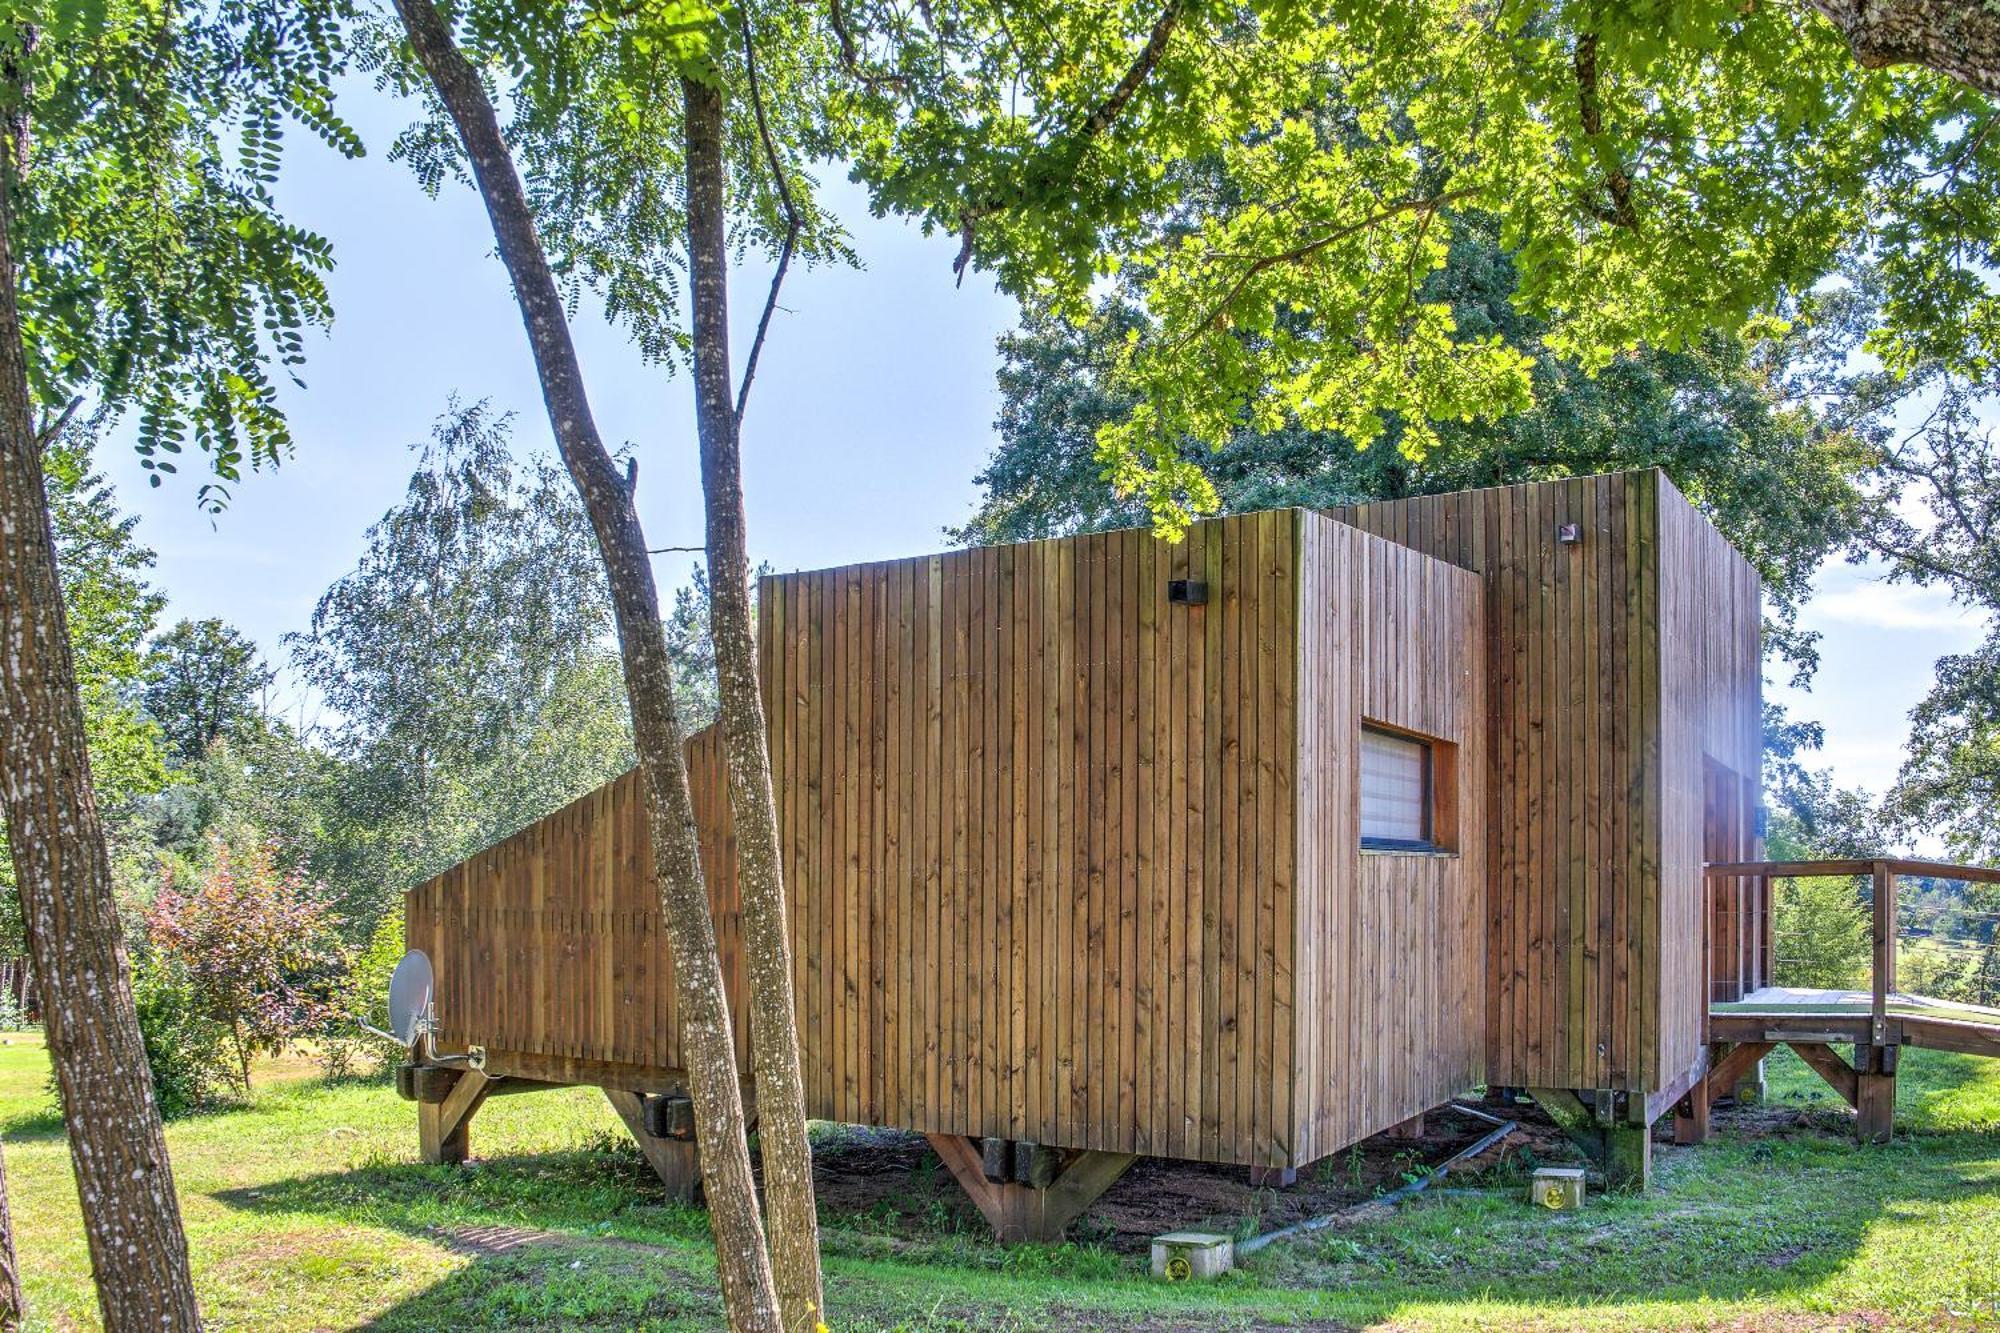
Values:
[(1395, 788)]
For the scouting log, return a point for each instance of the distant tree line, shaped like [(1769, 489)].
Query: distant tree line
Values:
[(457, 684)]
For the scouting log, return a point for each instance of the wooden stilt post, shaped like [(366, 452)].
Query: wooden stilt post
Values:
[(1413, 1128), (1874, 1092), (677, 1161), (445, 1108), (1622, 1148), (1875, 1063), (1021, 1211), (1691, 1116)]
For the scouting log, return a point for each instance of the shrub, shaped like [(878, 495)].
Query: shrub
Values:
[(185, 1049), (259, 951), (346, 1049), (13, 1014), (1822, 934)]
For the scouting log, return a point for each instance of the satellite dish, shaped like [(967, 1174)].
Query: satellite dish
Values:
[(410, 997)]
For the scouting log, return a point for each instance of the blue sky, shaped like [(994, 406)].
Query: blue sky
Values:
[(873, 409)]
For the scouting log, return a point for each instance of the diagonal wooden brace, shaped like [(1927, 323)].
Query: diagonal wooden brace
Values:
[(442, 1125), (1021, 1212), (676, 1161)]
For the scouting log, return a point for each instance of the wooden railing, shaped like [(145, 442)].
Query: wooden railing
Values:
[(1884, 871)]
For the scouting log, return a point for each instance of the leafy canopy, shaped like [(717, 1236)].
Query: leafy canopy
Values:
[(1655, 172), (156, 270), (468, 657), (1737, 425), (203, 679)]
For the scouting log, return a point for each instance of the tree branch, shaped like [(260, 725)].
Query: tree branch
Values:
[(1957, 38), (786, 203), (1426, 205), (51, 431), (1619, 184), (1101, 118), (1141, 69)]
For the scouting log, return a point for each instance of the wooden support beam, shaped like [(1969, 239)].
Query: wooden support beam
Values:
[(1676, 1089), (1874, 1093), (1826, 1062), (1019, 1212), (1883, 925), (442, 1125), (1739, 1059), (1036, 1165), (676, 1161), (1947, 1034), (1691, 1117), (670, 1117), (1622, 1149)]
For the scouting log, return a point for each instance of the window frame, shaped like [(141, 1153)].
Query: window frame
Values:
[(1439, 757)]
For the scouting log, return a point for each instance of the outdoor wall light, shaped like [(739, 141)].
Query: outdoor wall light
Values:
[(1186, 592), (1569, 534)]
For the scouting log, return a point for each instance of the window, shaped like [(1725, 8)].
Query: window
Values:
[(1396, 796)]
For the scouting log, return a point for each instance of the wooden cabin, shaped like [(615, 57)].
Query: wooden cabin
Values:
[(1239, 850)]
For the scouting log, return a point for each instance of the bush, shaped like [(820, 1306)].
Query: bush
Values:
[(13, 1014), (187, 1052), (258, 949), (345, 1049), (1822, 934)]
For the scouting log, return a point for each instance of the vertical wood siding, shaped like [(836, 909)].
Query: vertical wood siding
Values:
[(549, 942), (1711, 780), (1020, 791), (1071, 864), (1391, 945), (1612, 664)]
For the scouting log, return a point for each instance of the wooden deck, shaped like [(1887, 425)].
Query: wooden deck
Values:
[(1744, 1025), (1838, 1017)]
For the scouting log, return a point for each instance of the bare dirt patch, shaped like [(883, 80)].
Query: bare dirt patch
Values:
[(887, 1181)]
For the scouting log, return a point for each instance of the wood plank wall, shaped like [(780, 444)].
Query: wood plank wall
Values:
[(1612, 666), (1392, 946), (548, 944), (1712, 729), (1042, 821), (1040, 828), (1572, 806), (1043, 832)]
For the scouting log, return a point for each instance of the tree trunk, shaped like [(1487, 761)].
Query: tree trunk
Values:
[(781, 1102), (1958, 38), (707, 1041), (13, 1307), (62, 869)]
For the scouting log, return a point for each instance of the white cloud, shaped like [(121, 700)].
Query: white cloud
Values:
[(1892, 606)]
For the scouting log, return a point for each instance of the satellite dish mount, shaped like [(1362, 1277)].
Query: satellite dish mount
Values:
[(413, 1016)]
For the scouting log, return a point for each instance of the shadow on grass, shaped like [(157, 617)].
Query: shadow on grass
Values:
[(1937, 1092), (564, 1284), (1776, 1206), (42, 1122), (570, 1239)]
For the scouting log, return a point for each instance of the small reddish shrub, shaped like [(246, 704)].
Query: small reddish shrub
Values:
[(258, 948)]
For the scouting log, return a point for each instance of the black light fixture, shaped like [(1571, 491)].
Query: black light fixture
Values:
[(1186, 592), (1569, 534)]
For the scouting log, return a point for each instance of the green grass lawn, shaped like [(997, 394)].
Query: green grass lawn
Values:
[(307, 1209)]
